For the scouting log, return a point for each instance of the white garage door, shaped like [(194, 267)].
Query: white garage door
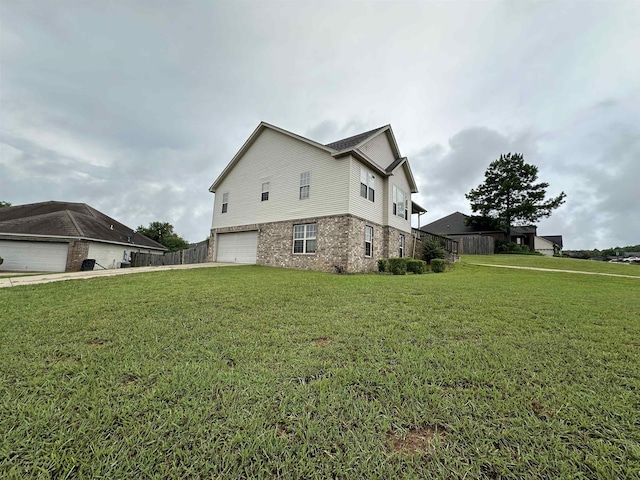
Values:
[(33, 256), (239, 247)]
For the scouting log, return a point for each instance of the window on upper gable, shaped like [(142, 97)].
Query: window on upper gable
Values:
[(400, 203), (225, 202), (265, 192), (305, 183), (367, 185)]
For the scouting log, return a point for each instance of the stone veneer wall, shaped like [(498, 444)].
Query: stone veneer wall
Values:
[(77, 252), (340, 244)]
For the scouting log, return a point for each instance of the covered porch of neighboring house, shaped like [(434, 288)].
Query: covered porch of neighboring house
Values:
[(450, 246)]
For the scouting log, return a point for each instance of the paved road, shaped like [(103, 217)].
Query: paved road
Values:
[(556, 270), (58, 277)]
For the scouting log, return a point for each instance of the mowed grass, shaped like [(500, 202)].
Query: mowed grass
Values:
[(556, 263), (254, 372)]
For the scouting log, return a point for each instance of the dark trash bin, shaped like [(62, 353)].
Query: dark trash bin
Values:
[(88, 264), (125, 265)]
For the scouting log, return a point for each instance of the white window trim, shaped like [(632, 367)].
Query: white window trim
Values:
[(305, 185), (368, 240), (401, 246), (265, 190), (400, 203), (306, 237), (368, 181), (225, 202)]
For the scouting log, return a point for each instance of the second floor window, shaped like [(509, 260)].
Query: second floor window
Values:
[(367, 185), (305, 182), (400, 203), (265, 192), (225, 202)]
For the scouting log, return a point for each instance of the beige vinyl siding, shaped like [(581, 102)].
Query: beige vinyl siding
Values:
[(360, 206), (279, 159), (543, 246), (379, 150)]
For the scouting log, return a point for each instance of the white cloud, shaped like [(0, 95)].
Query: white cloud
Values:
[(103, 99)]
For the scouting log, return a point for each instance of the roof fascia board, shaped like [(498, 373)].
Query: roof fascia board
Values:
[(252, 138), (407, 170), (65, 239), (357, 147), (358, 155)]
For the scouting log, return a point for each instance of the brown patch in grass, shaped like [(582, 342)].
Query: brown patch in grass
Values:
[(97, 342), (321, 342), (540, 410), (417, 441), (129, 380)]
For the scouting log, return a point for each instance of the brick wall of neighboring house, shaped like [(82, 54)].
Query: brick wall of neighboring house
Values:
[(340, 244), (78, 251)]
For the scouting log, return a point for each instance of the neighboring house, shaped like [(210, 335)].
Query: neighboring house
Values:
[(454, 226), (288, 201), (549, 244), (58, 236)]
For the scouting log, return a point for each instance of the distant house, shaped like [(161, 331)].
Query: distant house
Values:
[(549, 244), (58, 236), (454, 226), (286, 200)]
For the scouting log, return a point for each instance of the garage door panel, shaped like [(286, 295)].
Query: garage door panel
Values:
[(237, 247), (20, 256)]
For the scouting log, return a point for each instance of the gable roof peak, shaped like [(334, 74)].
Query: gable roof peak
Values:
[(354, 140)]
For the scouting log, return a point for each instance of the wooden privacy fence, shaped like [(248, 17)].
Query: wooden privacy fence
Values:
[(196, 254), (477, 245)]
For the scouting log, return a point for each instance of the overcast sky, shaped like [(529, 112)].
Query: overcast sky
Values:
[(134, 107)]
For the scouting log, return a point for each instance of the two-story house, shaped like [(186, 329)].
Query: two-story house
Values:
[(288, 201)]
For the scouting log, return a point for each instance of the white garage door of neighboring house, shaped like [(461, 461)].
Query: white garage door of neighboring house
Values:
[(33, 256), (239, 247)]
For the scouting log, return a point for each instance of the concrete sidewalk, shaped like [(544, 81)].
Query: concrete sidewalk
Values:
[(556, 270), (58, 277)]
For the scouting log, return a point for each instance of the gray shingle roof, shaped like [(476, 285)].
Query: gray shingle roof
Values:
[(67, 219), (555, 239), (352, 141)]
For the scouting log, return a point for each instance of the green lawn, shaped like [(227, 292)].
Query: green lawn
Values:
[(557, 263), (254, 372)]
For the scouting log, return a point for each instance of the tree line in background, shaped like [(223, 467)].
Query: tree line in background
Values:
[(162, 232), (606, 254)]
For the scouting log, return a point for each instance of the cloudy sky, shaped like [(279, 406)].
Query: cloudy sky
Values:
[(135, 106)]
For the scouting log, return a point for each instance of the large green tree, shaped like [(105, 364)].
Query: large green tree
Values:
[(162, 232), (509, 195)]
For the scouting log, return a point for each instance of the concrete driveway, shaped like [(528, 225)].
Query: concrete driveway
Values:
[(58, 277)]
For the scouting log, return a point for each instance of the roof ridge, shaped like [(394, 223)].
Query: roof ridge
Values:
[(349, 141), (75, 224)]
